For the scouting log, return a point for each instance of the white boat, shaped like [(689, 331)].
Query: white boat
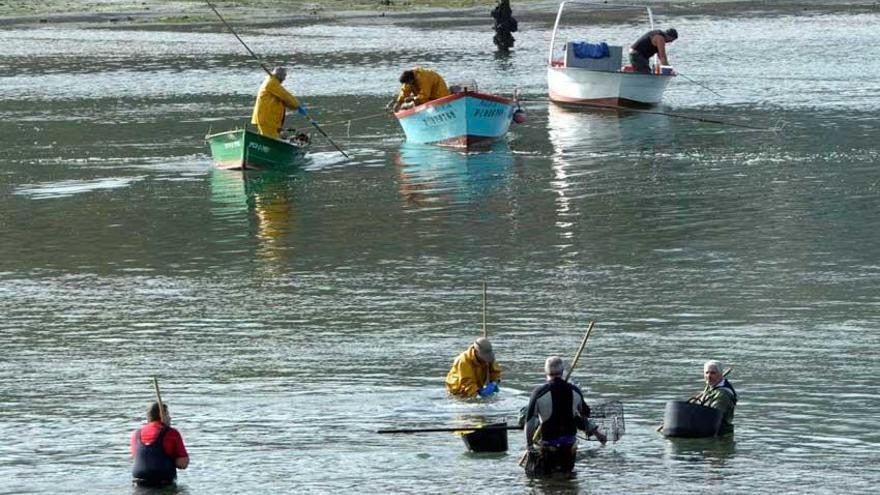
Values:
[(603, 81)]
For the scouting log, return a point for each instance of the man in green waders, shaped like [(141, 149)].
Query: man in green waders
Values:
[(718, 394)]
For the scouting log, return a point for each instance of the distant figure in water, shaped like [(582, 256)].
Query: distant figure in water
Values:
[(419, 86), (474, 372), (504, 25), (718, 394), (650, 44), (157, 450), (272, 102)]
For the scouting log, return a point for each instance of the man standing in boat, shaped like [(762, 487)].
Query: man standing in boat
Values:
[(718, 394), (558, 409), (157, 450), (474, 372), (650, 44), (419, 86), (272, 102)]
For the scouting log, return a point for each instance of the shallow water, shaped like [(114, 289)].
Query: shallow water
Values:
[(289, 316)]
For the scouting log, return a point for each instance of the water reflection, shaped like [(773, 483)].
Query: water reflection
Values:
[(431, 176), (503, 60), (575, 130), (261, 203), (714, 451), (558, 484), (167, 490)]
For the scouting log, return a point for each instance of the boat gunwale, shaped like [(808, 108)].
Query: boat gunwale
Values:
[(243, 135), (449, 98), (615, 72)]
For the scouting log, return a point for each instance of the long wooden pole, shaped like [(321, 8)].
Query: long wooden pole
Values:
[(485, 330), (258, 59), (263, 65), (577, 356), (580, 350), (460, 428), (162, 417)]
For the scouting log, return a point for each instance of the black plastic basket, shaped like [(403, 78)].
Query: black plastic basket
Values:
[(490, 438), (689, 420)]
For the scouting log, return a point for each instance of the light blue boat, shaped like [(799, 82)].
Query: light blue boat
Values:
[(464, 120)]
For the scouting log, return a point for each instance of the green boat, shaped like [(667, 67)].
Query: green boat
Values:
[(248, 150)]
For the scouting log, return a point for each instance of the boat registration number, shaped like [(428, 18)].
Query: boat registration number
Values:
[(439, 118), (258, 147), (489, 112)]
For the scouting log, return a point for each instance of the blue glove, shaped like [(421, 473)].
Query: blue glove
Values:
[(488, 390), (302, 109)]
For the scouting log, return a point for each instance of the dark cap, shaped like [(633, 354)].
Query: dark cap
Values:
[(484, 350), (672, 33)]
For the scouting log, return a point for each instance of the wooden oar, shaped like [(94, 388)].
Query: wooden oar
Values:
[(263, 65), (577, 356), (162, 417), (460, 428)]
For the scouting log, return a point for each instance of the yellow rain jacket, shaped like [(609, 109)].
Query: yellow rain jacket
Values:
[(428, 86), (468, 375), (272, 99)]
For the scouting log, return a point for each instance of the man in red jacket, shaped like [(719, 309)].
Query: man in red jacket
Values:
[(157, 450)]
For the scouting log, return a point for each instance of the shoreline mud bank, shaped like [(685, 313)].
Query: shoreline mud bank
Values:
[(195, 14)]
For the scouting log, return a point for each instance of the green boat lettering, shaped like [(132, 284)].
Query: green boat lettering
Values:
[(258, 147), (234, 144)]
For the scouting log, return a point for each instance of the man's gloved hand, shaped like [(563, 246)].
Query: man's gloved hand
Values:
[(302, 109), (488, 390)]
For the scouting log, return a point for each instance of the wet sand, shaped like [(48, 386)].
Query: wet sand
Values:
[(196, 14)]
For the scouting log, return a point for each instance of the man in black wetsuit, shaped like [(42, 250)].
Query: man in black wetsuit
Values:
[(650, 44), (504, 25), (558, 408)]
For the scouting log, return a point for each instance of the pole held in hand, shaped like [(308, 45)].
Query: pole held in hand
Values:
[(258, 59), (453, 429), (162, 417), (485, 330)]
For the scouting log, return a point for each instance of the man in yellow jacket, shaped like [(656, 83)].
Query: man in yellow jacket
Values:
[(272, 101), (420, 86), (475, 371)]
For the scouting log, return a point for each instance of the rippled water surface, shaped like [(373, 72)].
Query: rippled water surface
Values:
[(288, 316)]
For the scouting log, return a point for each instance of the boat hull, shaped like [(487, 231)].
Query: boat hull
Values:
[(466, 120), (244, 149), (604, 88)]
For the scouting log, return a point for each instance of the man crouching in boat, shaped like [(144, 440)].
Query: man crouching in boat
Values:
[(272, 102), (474, 372), (650, 44), (158, 450), (558, 409), (419, 86), (718, 394)]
